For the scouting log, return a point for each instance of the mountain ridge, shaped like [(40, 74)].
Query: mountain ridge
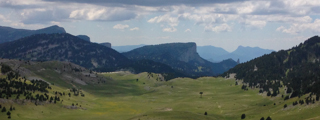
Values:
[(298, 69), (8, 34), (180, 56)]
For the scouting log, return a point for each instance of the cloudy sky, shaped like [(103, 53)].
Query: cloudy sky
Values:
[(269, 24)]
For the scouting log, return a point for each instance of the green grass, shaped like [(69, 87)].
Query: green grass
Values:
[(124, 98)]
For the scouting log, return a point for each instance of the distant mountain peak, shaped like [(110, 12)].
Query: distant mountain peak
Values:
[(52, 29), (8, 34)]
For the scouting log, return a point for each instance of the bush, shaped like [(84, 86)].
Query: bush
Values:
[(285, 105), (262, 118), (8, 113), (243, 116)]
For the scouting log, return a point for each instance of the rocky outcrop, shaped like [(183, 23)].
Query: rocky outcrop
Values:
[(84, 37), (190, 54), (107, 44)]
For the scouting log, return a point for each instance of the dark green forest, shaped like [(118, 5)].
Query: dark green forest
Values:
[(298, 69)]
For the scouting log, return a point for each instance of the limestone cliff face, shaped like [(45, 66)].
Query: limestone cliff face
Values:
[(190, 54), (107, 44), (84, 37)]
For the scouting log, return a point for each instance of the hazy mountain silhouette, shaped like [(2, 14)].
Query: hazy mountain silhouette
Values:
[(216, 54), (126, 48), (8, 34)]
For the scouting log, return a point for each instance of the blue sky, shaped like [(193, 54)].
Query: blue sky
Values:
[(269, 24)]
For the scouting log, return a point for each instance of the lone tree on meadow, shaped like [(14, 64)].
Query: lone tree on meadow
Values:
[(201, 94)]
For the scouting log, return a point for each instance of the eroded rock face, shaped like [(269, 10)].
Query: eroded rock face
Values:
[(107, 44), (190, 54), (84, 37)]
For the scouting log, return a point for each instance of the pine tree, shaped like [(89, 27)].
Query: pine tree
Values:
[(269, 118), (3, 109), (8, 113)]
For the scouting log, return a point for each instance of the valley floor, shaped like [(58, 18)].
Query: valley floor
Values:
[(126, 98)]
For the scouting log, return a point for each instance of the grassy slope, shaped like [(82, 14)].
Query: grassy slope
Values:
[(125, 98)]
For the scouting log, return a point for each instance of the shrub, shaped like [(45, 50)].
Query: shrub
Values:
[(243, 116)]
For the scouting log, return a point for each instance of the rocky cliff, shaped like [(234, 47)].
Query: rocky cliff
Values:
[(84, 37), (107, 44), (190, 54)]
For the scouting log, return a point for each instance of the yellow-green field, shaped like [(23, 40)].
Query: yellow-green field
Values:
[(125, 98)]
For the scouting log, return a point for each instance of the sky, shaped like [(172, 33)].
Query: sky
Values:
[(268, 24)]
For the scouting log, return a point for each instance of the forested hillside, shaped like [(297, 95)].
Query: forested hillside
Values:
[(63, 47), (297, 69)]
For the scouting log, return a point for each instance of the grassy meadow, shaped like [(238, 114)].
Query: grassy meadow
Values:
[(123, 97)]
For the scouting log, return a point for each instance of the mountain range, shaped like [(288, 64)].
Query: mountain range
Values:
[(8, 34), (242, 53), (215, 54), (62, 47), (66, 47)]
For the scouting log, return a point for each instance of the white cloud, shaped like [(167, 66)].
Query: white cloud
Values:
[(298, 28), (120, 26), (172, 29), (187, 30), (105, 14), (253, 14), (221, 28), (134, 29), (172, 21)]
